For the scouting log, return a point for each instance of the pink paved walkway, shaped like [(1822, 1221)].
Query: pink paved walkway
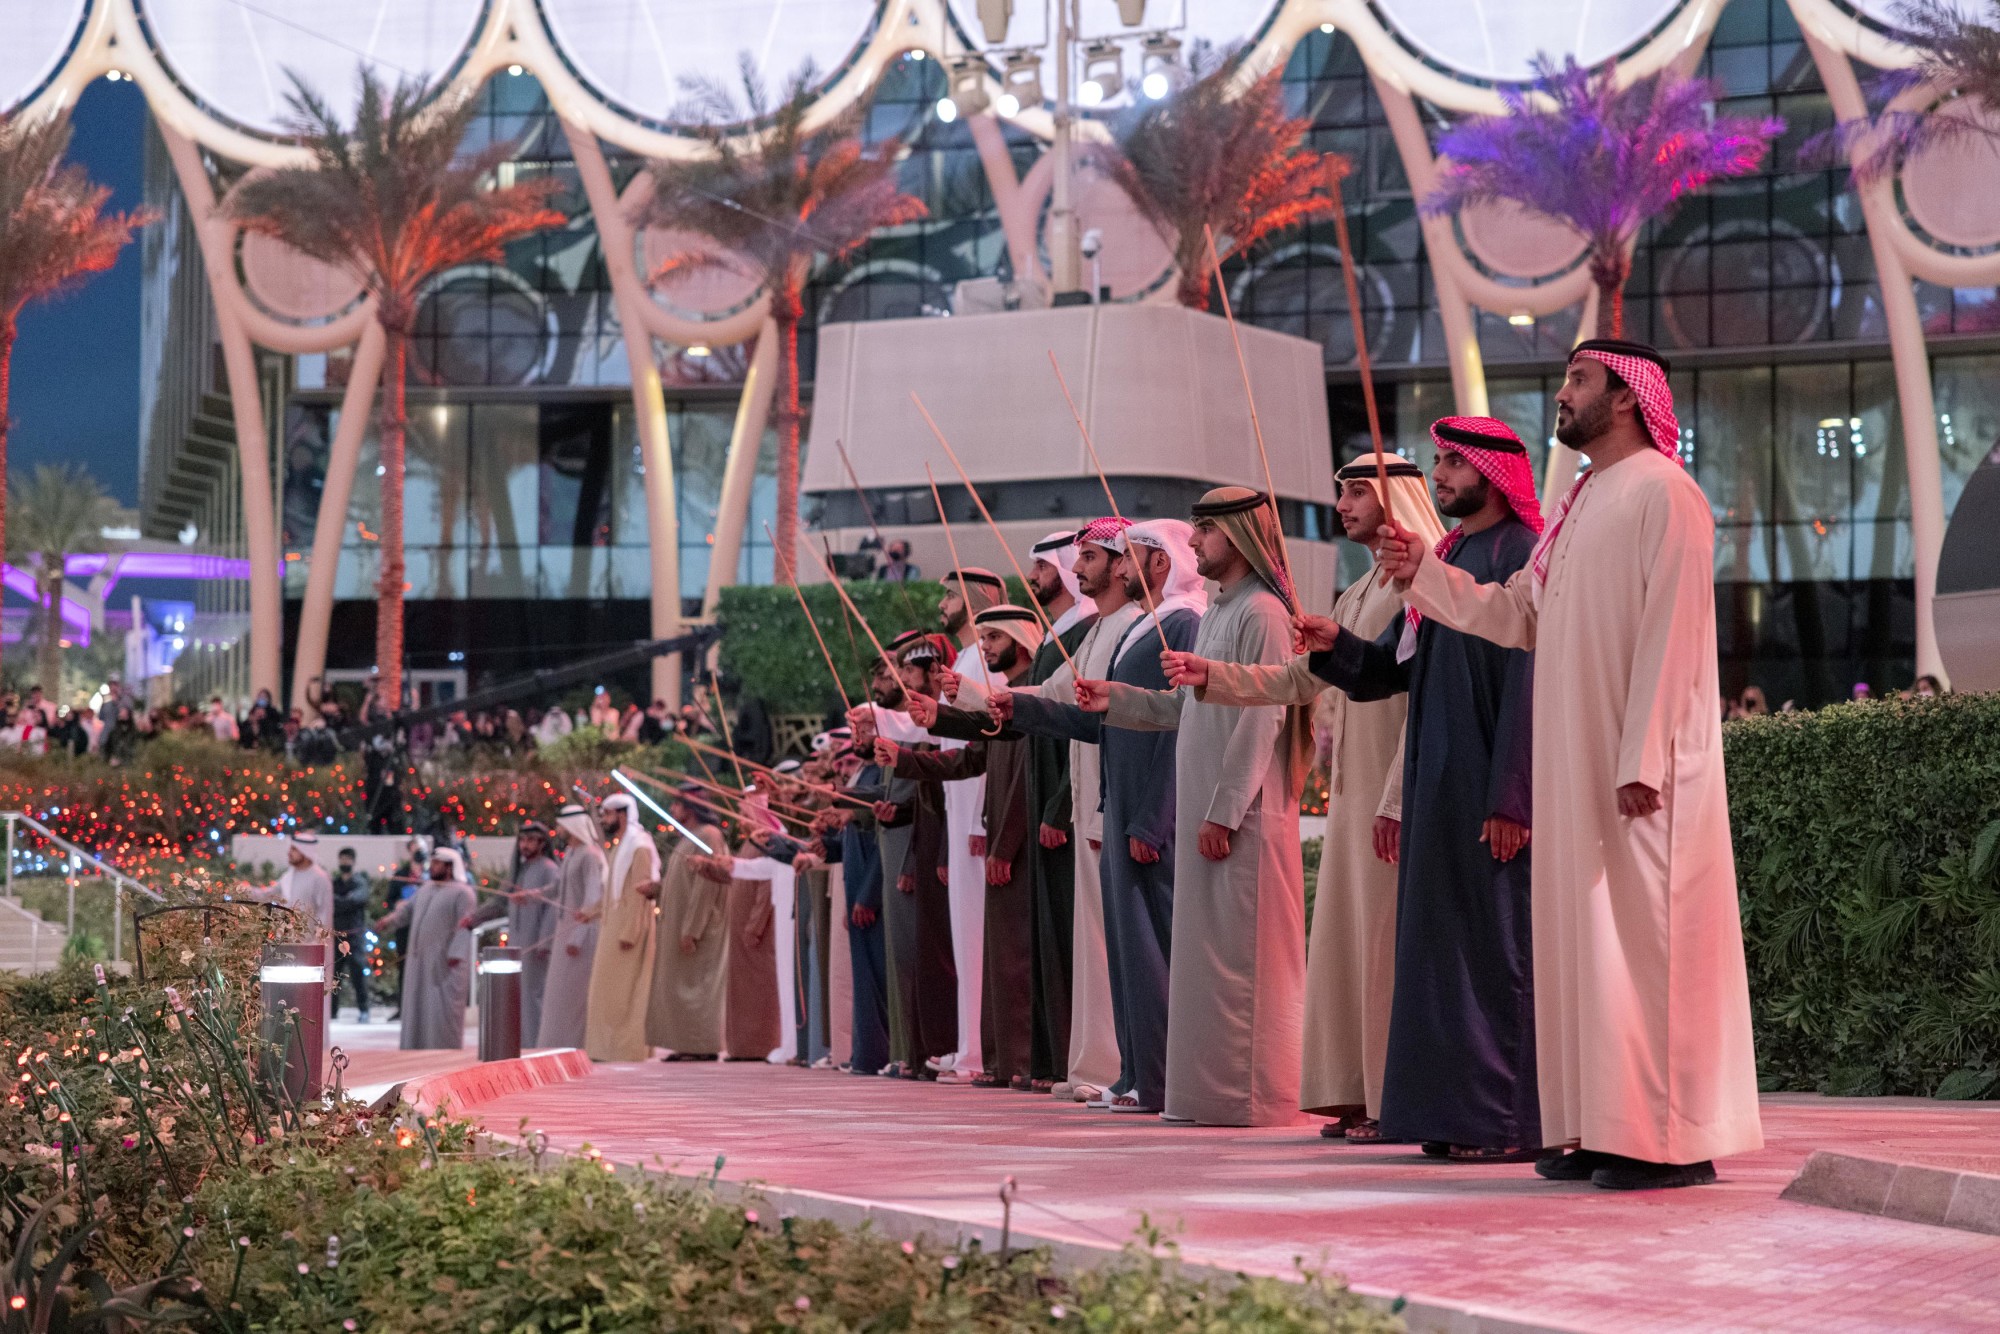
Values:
[(1729, 1256)]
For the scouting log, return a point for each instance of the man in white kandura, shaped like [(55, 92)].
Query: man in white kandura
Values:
[(1642, 1006)]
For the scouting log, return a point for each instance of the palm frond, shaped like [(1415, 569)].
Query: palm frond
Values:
[(1576, 147), (392, 198), (1958, 54), (54, 231), (1211, 158), (772, 199), (54, 512)]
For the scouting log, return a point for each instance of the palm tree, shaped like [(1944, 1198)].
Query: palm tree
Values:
[(54, 233), (59, 510), (771, 202), (393, 201), (1958, 55), (1212, 159), (1606, 160)]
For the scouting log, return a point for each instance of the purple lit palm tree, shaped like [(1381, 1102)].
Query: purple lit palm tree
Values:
[(1604, 159), (1958, 55)]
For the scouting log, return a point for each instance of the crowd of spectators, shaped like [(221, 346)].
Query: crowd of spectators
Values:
[(116, 726)]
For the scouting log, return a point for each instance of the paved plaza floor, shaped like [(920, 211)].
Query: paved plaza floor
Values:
[(1497, 1240)]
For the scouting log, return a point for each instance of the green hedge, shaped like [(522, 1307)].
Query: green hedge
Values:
[(767, 646), (1868, 858)]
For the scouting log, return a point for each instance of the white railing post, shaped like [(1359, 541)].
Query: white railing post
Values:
[(10, 854), (117, 922)]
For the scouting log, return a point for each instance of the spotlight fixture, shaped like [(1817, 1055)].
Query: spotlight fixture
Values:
[(968, 86), (1521, 320), (947, 110), (515, 71), (1131, 13), (1103, 73), (1326, 28), (1021, 82), (994, 16), (699, 351), (1160, 59)]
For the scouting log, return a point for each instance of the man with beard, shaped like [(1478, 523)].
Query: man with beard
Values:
[(690, 960), (437, 974), (1237, 985), (1460, 1074), (1095, 1064), (1008, 636), (1156, 571), (622, 969), (579, 903), (530, 909), (966, 593), (1643, 1025), (1351, 956), (849, 837), (928, 986)]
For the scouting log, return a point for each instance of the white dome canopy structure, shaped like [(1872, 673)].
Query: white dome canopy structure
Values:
[(1488, 40), (643, 59), (238, 62)]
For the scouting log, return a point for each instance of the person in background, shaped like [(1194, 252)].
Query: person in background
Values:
[(437, 972), (896, 567), (352, 890), (553, 725), (67, 737), (43, 711), (603, 713), (1927, 687), (221, 721), (403, 882), (305, 889), (656, 725), (622, 969), (579, 903), (530, 909)]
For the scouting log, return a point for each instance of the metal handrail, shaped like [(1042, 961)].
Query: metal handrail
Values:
[(120, 881)]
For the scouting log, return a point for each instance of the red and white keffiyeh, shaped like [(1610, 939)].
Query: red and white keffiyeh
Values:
[(1104, 532), (1491, 446), (1645, 371)]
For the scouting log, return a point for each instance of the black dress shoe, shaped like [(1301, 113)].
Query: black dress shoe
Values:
[(1576, 1165), (1632, 1174)]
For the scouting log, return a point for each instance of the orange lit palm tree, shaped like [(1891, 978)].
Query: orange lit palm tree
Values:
[(54, 234), (772, 202), (1215, 158), (1607, 160), (395, 202)]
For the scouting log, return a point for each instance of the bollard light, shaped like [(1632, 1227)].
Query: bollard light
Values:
[(292, 978), (499, 1003)]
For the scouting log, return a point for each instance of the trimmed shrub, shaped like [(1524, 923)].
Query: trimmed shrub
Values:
[(1868, 859), (767, 646)]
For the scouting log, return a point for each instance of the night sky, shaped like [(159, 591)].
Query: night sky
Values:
[(76, 362)]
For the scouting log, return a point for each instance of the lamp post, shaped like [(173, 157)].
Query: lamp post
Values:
[(292, 978), (499, 1003)]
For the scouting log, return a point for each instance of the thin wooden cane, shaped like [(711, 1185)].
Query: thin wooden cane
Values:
[(853, 610), (868, 511), (700, 746), (998, 536), (1152, 605), (722, 719), (964, 596), (654, 780), (1337, 167), (1243, 365), (792, 578), (779, 806)]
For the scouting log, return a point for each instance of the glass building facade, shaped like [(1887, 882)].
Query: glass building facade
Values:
[(525, 486)]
